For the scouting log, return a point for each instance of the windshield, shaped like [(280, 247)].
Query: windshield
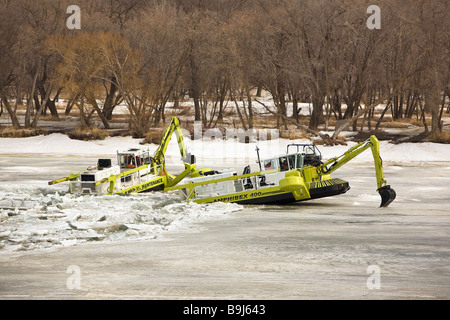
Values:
[(285, 163), (270, 164), (127, 160)]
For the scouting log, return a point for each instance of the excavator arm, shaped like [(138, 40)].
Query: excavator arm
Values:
[(174, 126), (387, 194)]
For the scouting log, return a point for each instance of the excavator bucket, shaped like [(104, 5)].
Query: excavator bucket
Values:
[(387, 195)]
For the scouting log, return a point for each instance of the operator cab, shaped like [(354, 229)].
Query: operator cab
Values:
[(306, 154), (284, 163), (133, 158)]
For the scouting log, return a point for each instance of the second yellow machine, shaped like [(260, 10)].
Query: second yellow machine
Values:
[(136, 170)]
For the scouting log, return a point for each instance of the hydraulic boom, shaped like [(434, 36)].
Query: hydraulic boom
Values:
[(174, 126), (387, 194)]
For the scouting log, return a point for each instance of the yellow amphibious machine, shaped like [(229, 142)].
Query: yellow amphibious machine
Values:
[(296, 176), (136, 171)]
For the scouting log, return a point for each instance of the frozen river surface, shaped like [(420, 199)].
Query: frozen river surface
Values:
[(153, 246)]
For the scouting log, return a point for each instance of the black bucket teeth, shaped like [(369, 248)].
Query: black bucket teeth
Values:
[(387, 195)]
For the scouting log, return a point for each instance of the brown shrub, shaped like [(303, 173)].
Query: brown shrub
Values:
[(86, 134), (393, 124), (441, 137), (10, 132), (153, 136), (294, 134)]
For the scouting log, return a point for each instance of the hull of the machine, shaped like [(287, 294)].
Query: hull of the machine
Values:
[(111, 181), (291, 188)]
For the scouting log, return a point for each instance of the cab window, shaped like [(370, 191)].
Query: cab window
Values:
[(123, 160), (299, 161), (269, 164), (291, 160), (127, 161), (146, 158), (284, 165)]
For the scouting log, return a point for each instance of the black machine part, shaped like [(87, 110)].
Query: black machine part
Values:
[(387, 195), (104, 163)]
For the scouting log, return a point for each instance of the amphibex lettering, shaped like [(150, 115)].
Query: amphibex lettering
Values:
[(239, 197)]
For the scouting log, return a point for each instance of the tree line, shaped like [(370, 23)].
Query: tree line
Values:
[(147, 53)]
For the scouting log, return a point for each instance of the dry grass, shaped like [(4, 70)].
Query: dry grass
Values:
[(394, 124), (270, 121), (441, 137), (265, 121), (404, 123), (86, 134), (153, 136), (294, 134), (10, 132)]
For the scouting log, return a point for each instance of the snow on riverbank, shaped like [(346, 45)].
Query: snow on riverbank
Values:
[(214, 150)]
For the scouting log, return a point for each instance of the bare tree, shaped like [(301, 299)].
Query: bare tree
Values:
[(160, 38), (145, 52), (86, 67), (8, 58)]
